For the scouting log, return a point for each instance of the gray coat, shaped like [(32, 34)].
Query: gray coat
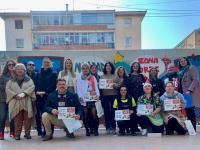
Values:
[(190, 81)]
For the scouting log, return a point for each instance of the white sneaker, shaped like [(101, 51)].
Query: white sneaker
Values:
[(144, 132)]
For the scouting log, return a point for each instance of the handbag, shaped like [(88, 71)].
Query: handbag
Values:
[(99, 109), (188, 99), (190, 127)]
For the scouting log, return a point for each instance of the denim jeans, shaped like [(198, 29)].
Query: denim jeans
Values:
[(109, 112), (3, 118)]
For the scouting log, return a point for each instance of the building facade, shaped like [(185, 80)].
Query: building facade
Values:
[(191, 41), (73, 30)]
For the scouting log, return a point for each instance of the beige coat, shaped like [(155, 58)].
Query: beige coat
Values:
[(26, 103), (190, 81)]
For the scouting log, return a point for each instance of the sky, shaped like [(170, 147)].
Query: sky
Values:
[(166, 23)]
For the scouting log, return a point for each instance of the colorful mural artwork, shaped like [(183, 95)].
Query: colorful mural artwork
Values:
[(119, 62), (90, 60), (57, 62)]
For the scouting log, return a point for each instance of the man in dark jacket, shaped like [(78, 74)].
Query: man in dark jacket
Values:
[(45, 84), (171, 75), (30, 67), (59, 98)]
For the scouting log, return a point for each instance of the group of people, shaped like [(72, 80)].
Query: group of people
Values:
[(28, 97)]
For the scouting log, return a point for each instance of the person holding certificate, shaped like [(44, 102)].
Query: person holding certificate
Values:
[(107, 85), (148, 111), (88, 92), (60, 98), (172, 103), (125, 111)]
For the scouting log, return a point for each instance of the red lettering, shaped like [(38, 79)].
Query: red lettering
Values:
[(141, 60), (145, 69)]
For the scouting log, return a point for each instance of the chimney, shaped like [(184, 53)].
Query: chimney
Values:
[(67, 5)]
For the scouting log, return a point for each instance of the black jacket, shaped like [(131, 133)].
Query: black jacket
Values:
[(45, 81), (33, 76), (71, 100), (135, 85), (158, 86)]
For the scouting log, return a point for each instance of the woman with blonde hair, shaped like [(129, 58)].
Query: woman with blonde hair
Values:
[(68, 74), (88, 92)]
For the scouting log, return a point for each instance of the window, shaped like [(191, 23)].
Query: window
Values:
[(19, 43), (71, 38), (105, 18), (89, 18), (128, 42), (127, 22), (18, 24)]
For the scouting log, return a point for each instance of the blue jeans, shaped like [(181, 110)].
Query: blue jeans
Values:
[(109, 112), (3, 118)]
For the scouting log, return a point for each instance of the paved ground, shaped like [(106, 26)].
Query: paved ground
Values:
[(104, 142)]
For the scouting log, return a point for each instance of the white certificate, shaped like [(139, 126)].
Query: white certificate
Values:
[(172, 104), (144, 109), (87, 97), (66, 112), (105, 84), (122, 115), (72, 125)]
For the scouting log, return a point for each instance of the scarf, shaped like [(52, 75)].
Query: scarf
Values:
[(183, 71)]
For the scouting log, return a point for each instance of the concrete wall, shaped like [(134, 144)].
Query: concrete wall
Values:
[(12, 34)]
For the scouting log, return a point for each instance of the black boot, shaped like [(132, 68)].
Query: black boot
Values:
[(27, 136), (87, 132), (17, 137), (96, 133)]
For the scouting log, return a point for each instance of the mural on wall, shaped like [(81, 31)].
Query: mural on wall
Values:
[(148, 62), (90, 60), (57, 62), (119, 62)]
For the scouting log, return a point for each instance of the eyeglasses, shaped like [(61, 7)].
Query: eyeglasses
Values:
[(123, 90), (11, 65), (31, 64)]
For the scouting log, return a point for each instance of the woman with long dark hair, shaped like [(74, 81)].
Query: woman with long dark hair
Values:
[(108, 96), (125, 102), (135, 81), (8, 73), (189, 80), (152, 121), (157, 84)]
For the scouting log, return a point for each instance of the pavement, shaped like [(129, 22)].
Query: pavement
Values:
[(103, 142)]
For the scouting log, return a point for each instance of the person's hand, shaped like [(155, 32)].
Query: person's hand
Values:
[(153, 114), (21, 95), (188, 92), (138, 114), (131, 112), (81, 100), (18, 97), (40, 93), (96, 98), (77, 117), (54, 112)]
